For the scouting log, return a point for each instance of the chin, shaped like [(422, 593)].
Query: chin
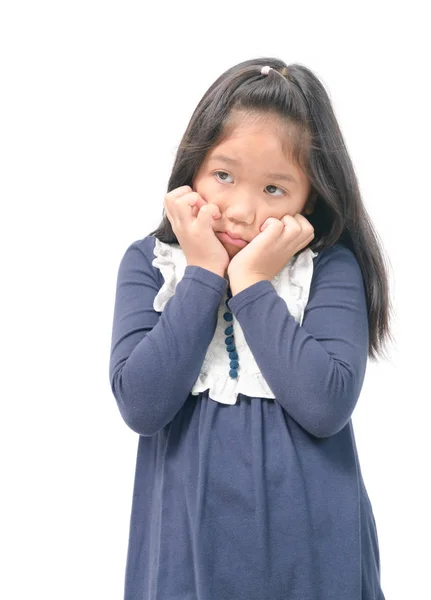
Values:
[(232, 250)]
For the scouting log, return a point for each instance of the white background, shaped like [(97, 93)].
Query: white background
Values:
[(95, 97)]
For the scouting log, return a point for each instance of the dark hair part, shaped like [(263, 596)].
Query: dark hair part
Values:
[(295, 94)]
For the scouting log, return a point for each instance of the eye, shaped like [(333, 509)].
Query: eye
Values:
[(224, 172), (278, 188), (273, 186)]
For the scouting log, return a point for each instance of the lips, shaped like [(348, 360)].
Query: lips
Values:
[(226, 237), (234, 236)]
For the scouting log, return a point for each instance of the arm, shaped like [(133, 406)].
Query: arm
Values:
[(316, 370), (156, 357)]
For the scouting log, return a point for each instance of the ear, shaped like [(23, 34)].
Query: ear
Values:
[(310, 205)]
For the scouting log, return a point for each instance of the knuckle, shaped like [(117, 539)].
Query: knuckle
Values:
[(182, 189), (178, 192)]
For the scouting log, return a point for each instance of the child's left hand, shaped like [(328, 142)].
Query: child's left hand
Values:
[(278, 241)]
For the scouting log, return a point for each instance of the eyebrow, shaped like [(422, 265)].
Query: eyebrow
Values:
[(233, 161)]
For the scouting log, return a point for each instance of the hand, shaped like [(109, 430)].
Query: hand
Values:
[(266, 255), (192, 220)]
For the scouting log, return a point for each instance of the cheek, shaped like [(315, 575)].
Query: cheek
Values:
[(279, 212), (204, 188)]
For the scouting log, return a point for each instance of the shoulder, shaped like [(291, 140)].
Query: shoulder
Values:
[(338, 253), (143, 246), (139, 256), (338, 262), (337, 249)]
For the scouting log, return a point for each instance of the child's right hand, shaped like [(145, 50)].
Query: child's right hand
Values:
[(192, 219)]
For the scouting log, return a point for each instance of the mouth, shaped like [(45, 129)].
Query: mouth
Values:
[(225, 237)]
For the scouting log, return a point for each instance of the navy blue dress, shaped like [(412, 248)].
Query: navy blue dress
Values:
[(264, 499)]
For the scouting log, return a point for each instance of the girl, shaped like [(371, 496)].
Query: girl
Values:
[(241, 332)]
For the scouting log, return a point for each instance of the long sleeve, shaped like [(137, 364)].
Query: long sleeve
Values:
[(156, 357), (315, 370)]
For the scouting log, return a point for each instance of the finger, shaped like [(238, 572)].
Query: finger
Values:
[(172, 196), (207, 214), (307, 227), (291, 225), (302, 220), (271, 221), (178, 192), (306, 242), (183, 206), (199, 203), (196, 208)]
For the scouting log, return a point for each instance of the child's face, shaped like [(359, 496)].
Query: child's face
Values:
[(245, 193)]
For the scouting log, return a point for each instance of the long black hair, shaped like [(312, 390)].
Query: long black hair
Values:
[(295, 94)]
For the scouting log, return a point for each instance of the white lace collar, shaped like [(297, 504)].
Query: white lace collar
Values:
[(292, 283)]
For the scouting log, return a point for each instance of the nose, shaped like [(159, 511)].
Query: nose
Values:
[(241, 209)]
